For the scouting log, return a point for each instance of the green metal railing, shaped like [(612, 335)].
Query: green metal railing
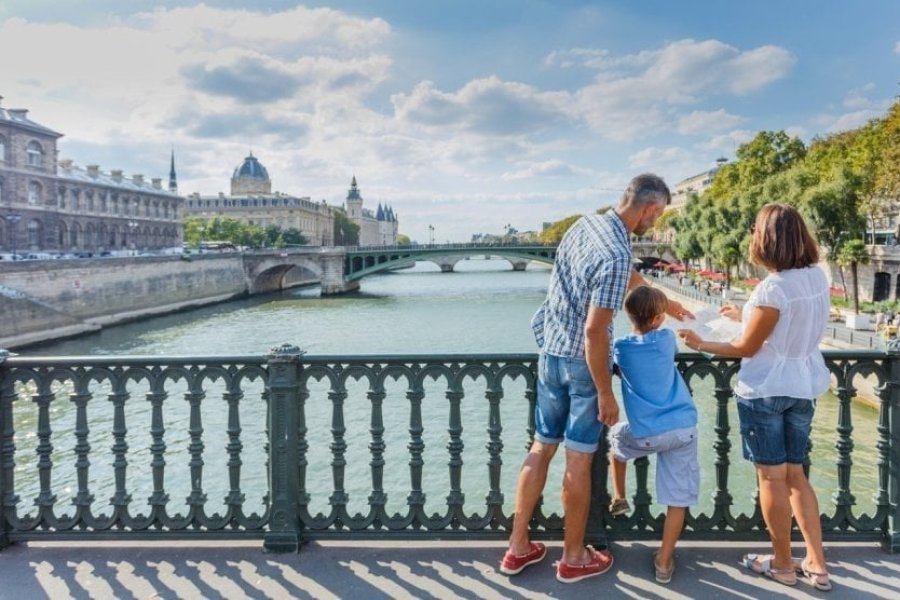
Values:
[(354, 447)]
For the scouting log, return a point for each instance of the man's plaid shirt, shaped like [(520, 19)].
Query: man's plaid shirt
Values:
[(593, 266)]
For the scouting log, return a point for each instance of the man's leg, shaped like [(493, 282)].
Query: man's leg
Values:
[(576, 496), (532, 478)]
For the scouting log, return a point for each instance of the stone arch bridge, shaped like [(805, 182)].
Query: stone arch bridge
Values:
[(341, 268)]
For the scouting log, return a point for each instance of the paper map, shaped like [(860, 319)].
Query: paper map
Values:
[(709, 325)]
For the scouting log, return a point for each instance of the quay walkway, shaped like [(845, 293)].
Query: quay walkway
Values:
[(363, 570)]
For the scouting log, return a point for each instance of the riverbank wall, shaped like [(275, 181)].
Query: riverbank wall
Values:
[(57, 299)]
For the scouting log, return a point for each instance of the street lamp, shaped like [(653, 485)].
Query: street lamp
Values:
[(431, 235), (13, 220)]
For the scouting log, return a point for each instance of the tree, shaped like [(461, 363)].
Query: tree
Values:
[(555, 233), (346, 232), (852, 254), (403, 239), (293, 237)]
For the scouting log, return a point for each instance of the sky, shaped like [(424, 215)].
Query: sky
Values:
[(465, 115)]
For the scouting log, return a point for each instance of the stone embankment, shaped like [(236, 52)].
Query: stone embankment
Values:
[(46, 300)]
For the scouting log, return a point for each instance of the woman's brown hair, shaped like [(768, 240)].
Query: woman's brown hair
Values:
[(781, 239)]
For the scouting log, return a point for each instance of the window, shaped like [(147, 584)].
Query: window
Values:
[(61, 237), (102, 197), (34, 193), (61, 198), (89, 196), (2, 149), (34, 233), (76, 200), (35, 154)]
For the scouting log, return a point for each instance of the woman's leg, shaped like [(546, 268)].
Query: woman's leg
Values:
[(806, 510), (618, 477), (774, 500)]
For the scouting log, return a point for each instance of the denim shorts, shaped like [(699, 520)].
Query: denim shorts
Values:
[(677, 468), (566, 408), (775, 430)]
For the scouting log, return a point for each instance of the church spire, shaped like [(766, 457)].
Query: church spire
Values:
[(173, 180)]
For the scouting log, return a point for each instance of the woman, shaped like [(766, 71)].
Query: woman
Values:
[(782, 373)]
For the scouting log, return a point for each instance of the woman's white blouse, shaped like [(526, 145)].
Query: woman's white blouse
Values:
[(789, 363)]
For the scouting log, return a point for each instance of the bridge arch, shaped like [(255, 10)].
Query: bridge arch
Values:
[(273, 274)]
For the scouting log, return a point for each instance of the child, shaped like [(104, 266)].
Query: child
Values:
[(662, 419)]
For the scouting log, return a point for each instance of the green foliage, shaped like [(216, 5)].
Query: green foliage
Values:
[(403, 240), (346, 232), (222, 229), (555, 233)]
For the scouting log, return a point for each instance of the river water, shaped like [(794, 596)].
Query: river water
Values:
[(484, 307)]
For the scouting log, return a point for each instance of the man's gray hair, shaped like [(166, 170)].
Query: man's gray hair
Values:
[(645, 189)]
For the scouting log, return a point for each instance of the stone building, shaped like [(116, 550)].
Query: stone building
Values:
[(377, 228), (252, 201), (53, 206), (695, 184)]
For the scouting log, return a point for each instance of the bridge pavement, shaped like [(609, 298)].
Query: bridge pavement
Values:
[(363, 570)]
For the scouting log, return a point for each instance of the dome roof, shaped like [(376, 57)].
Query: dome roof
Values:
[(251, 168)]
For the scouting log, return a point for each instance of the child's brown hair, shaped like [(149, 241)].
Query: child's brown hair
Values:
[(643, 304)]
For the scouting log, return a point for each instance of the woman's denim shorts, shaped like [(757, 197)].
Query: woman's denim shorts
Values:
[(775, 430)]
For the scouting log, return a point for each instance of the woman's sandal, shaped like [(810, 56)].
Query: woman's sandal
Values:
[(761, 564), (818, 580)]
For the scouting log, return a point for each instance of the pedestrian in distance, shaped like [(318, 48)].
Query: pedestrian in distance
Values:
[(782, 373), (573, 328), (662, 420)]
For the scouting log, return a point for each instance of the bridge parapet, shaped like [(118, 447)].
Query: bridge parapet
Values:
[(331, 422)]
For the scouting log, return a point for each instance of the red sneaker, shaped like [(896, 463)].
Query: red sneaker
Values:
[(599, 563), (513, 564)]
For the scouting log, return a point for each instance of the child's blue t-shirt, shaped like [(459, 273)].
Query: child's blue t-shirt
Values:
[(655, 395)]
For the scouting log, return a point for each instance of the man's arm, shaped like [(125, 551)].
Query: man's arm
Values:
[(596, 353)]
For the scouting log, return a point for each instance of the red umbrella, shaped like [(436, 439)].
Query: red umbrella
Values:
[(675, 267), (752, 281), (836, 291)]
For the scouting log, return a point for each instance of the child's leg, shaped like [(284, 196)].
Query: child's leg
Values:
[(671, 532), (618, 476)]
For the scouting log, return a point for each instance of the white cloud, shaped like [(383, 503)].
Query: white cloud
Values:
[(725, 144), (861, 107), (641, 94), (700, 122), (897, 48), (547, 168), (484, 106)]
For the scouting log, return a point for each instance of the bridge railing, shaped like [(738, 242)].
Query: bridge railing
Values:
[(288, 447)]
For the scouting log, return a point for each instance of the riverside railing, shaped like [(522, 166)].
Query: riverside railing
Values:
[(287, 448)]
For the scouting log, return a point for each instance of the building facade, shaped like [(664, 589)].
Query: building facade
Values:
[(53, 206), (252, 201), (378, 228), (695, 184)]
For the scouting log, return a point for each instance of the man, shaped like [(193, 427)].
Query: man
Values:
[(573, 328)]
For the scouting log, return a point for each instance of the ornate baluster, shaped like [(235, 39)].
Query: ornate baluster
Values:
[(302, 447), (842, 497), (283, 390), (377, 499), (722, 499), (494, 447), (8, 497), (416, 447), (456, 499), (338, 498), (45, 499), (79, 398), (235, 498), (197, 498), (119, 395), (157, 395)]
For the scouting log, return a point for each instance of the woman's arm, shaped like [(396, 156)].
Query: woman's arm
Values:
[(757, 329)]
